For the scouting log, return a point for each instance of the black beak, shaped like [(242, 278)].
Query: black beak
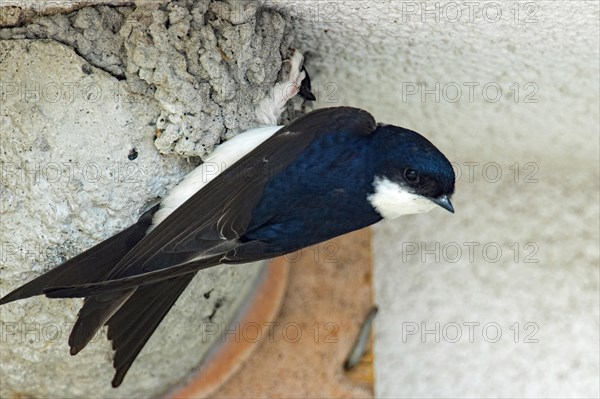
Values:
[(444, 202)]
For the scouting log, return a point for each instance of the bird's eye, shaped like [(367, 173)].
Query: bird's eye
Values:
[(411, 176)]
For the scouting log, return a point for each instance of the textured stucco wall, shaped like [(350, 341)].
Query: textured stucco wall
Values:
[(375, 55), (206, 64), (67, 183), (90, 100)]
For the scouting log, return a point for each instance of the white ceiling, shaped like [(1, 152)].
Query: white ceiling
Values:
[(375, 53)]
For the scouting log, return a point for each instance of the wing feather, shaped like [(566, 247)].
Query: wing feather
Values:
[(223, 208)]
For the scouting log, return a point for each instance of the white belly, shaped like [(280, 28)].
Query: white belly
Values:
[(220, 159)]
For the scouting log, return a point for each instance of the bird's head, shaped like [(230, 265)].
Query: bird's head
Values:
[(412, 176)]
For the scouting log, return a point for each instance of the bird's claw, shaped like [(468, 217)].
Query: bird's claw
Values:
[(271, 107)]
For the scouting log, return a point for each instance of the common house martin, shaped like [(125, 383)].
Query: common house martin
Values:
[(265, 193)]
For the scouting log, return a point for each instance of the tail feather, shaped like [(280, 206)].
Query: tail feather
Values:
[(94, 313), (133, 324), (90, 266), (131, 312), (139, 280)]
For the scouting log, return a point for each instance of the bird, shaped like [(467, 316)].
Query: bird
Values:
[(277, 189)]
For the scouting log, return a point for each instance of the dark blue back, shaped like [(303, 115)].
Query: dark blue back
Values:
[(320, 195)]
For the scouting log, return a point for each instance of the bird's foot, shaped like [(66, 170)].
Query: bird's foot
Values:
[(272, 106)]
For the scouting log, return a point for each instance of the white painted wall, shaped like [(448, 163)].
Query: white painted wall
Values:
[(368, 54)]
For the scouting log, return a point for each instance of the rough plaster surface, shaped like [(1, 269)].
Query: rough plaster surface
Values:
[(85, 106), (78, 164), (207, 64), (19, 12), (371, 54)]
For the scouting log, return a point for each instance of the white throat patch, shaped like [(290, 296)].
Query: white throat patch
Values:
[(392, 200)]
